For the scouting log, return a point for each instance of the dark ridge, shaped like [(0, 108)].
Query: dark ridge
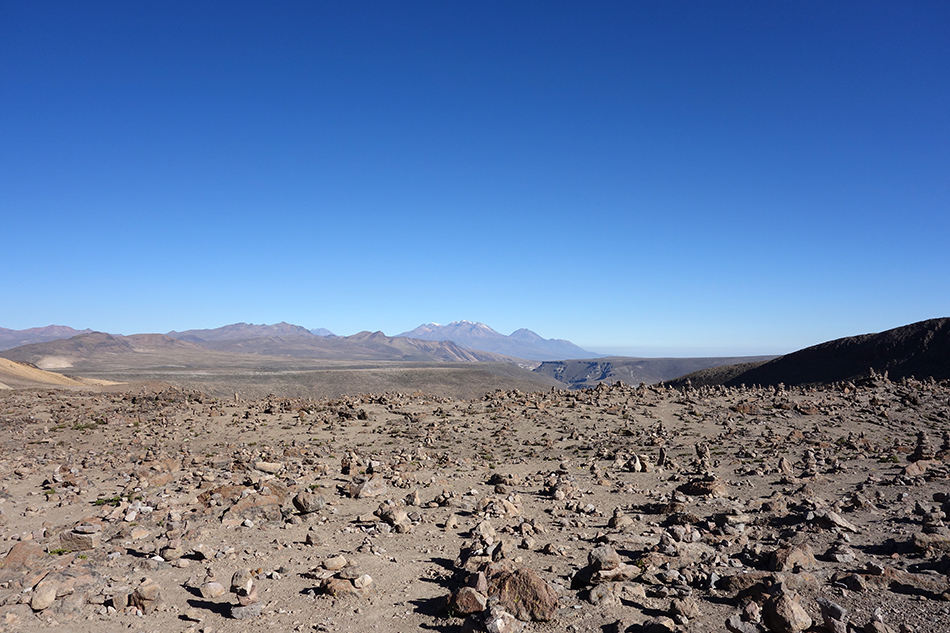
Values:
[(714, 375), (920, 350)]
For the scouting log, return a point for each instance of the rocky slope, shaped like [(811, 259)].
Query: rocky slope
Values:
[(920, 349)]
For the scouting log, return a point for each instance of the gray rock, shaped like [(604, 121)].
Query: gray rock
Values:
[(307, 501), (735, 624), (244, 612), (834, 616), (372, 487)]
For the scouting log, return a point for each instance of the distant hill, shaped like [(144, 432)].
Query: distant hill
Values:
[(920, 349), (521, 343), (579, 374), (242, 331), (15, 338), (360, 346), (96, 346)]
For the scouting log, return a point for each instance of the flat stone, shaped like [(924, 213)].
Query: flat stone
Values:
[(269, 467), (339, 587), (44, 594), (495, 620), (245, 612), (78, 541), (735, 624), (834, 616), (335, 563), (138, 533), (705, 486), (212, 590)]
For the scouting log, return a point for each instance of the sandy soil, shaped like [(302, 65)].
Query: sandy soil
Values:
[(762, 499), (19, 374)]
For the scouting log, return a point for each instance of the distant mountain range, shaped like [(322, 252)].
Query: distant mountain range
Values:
[(459, 341), (136, 349), (521, 343)]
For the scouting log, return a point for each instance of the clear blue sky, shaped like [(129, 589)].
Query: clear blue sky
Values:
[(645, 177)]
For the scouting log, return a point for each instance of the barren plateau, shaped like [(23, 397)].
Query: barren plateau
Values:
[(145, 507)]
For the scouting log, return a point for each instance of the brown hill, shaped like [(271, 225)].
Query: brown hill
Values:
[(921, 350), (241, 331), (15, 338), (98, 349)]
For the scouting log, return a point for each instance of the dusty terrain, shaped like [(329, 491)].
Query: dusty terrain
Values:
[(611, 509)]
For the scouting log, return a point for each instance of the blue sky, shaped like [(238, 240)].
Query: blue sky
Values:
[(652, 178)]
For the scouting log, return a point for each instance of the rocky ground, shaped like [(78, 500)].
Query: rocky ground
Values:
[(610, 509)]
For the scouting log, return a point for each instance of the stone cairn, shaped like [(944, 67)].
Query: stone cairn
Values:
[(924, 449), (243, 585)]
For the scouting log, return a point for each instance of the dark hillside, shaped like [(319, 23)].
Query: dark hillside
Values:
[(921, 350)]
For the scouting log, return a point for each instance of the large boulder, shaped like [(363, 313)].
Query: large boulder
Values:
[(524, 594)]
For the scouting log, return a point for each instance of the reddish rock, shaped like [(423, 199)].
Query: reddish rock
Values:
[(467, 601), (146, 596), (784, 614), (24, 555), (255, 507), (524, 594), (796, 556), (705, 486), (339, 587)]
